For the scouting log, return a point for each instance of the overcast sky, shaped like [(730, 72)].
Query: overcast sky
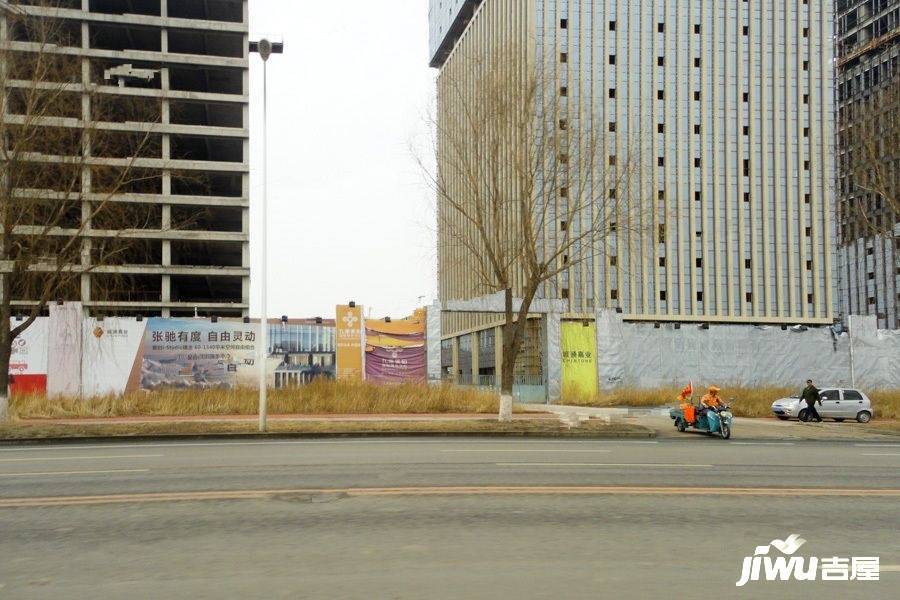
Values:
[(349, 214)]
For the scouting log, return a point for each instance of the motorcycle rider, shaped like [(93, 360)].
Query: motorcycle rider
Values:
[(712, 403), (711, 399)]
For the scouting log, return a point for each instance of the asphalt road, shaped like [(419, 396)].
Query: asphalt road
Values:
[(439, 518)]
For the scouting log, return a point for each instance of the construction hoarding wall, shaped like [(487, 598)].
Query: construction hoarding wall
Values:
[(64, 349), (643, 356), (67, 354)]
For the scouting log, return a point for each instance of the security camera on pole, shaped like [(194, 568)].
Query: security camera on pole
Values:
[(265, 49)]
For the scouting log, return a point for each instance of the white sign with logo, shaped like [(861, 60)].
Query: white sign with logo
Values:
[(108, 360), (786, 567)]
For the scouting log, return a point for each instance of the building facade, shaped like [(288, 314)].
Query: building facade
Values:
[(304, 350), (868, 93), (733, 103), (186, 63)]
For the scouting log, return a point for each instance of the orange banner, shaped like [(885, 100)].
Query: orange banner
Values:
[(349, 338)]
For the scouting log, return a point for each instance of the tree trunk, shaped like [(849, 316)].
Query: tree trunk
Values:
[(514, 330), (508, 366)]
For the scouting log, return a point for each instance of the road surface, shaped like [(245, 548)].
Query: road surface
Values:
[(439, 518)]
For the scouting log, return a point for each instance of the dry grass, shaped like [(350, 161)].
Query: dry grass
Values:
[(541, 428), (320, 397), (748, 402)]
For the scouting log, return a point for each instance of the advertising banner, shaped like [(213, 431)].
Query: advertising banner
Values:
[(197, 353), (395, 350), (579, 360), (349, 342), (395, 365), (28, 361), (109, 358)]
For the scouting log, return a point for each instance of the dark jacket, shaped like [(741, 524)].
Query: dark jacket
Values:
[(811, 395)]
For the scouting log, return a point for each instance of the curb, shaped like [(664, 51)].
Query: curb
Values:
[(570, 434)]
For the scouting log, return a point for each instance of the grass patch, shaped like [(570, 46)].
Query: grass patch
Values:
[(596, 429), (320, 397), (748, 402)]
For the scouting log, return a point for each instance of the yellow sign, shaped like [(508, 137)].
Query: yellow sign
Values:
[(349, 341), (579, 359)]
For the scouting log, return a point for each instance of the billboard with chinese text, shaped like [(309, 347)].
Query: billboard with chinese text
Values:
[(197, 353), (349, 341)]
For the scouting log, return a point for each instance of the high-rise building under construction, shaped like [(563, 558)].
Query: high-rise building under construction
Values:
[(183, 66)]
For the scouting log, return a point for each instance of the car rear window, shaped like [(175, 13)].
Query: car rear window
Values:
[(852, 395)]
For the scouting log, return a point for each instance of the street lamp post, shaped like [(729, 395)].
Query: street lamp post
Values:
[(265, 49)]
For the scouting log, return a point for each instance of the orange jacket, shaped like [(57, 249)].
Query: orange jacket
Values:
[(711, 399)]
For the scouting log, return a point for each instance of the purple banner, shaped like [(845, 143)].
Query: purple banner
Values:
[(395, 365)]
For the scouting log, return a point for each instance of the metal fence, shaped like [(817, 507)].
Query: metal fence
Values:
[(527, 389)]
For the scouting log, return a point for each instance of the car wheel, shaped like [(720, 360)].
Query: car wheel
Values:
[(680, 425), (803, 415), (839, 420), (782, 417), (864, 416)]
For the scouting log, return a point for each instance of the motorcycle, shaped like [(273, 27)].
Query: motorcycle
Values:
[(696, 418)]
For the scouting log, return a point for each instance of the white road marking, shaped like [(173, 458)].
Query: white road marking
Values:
[(762, 443), (882, 454), (307, 442), (547, 450), (95, 457), (877, 445), (641, 465), (58, 473)]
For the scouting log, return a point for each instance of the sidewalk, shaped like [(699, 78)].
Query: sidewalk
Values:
[(325, 418), (245, 426), (763, 429)]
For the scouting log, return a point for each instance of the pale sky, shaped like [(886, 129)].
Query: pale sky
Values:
[(349, 213)]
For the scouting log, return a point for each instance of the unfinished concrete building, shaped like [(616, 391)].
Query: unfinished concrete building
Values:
[(183, 65)]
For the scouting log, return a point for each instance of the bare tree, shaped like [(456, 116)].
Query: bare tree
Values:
[(872, 144), (66, 157), (526, 190)]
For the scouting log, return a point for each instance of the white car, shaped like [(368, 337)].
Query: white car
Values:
[(837, 403)]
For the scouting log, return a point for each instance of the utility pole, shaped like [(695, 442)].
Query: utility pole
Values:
[(265, 49)]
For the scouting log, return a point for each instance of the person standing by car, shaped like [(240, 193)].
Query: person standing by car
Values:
[(810, 395)]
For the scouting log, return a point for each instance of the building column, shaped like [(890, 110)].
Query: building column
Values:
[(86, 206), (454, 360), (552, 334), (433, 342), (166, 225), (476, 340), (498, 355)]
